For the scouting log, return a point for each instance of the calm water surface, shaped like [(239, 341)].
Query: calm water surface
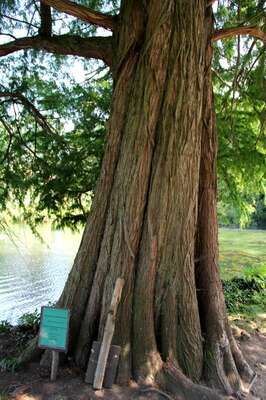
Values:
[(33, 273)]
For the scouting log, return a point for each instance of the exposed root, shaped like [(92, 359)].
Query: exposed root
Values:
[(245, 372), (226, 369), (252, 382), (174, 381), (231, 370), (154, 390), (214, 368)]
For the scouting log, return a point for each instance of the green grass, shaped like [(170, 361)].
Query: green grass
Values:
[(243, 256), (240, 248)]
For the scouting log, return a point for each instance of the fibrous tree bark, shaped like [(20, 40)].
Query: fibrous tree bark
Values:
[(149, 199), (156, 191), (142, 226)]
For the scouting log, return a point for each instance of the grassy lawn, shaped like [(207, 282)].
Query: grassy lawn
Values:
[(243, 254), (240, 248)]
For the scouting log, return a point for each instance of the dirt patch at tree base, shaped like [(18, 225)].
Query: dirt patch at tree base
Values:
[(32, 383), (254, 349)]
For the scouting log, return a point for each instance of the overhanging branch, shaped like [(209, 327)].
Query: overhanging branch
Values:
[(239, 30), (30, 107), (18, 20), (86, 14), (94, 47), (40, 119)]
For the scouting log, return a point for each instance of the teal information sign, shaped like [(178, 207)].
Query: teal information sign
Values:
[(54, 329)]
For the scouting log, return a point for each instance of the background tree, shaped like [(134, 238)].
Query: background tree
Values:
[(143, 221), (239, 84)]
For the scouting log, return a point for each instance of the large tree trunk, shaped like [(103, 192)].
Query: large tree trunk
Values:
[(143, 223)]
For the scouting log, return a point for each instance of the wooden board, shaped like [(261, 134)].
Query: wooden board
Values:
[(111, 366), (108, 335)]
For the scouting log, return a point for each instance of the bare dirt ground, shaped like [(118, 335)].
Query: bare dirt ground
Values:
[(254, 349), (33, 382)]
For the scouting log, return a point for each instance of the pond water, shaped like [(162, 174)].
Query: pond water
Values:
[(33, 273)]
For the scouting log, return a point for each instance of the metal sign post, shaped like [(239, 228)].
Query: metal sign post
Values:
[(53, 334)]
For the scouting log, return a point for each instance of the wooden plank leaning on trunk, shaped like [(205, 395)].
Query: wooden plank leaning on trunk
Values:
[(111, 365), (108, 335)]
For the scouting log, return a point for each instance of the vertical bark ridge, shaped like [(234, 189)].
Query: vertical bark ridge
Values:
[(79, 283), (170, 212), (150, 82), (102, 261), (146, 360), (127, 202), (216, 349), (176, 264)]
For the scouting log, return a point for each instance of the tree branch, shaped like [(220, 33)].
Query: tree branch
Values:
[(18, 20), (8, 34), (46, 20), (239, 30), (93, 47), (220, 78), (84, 13), (37, 115), (31, 107)]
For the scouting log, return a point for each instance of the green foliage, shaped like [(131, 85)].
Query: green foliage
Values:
[(246, 290), (5, 327), (53, 174), (228, 214), (239, 85), (8, 364), (243, 270), (17, 338), (259, 215), (254, 216), (30, 320), (50, 167)]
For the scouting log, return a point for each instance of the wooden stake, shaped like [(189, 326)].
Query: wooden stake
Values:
[(108, 335), (55, 363)]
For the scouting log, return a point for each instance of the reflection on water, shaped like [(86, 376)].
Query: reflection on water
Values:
[(33, 273)]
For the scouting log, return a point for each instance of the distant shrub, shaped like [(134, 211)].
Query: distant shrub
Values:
[(256, 274), (246, 289), (30, 321)]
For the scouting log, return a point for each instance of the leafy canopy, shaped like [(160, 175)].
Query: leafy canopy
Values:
[(239, 77)]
